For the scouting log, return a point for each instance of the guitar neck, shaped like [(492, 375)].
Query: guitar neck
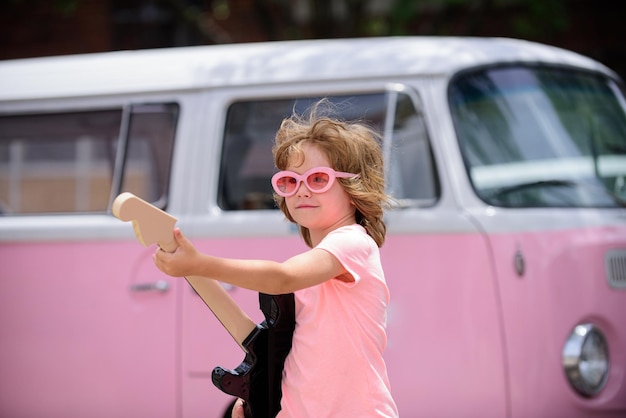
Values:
[(232, 317)]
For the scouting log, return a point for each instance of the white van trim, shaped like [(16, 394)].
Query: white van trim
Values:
[(189, 68)]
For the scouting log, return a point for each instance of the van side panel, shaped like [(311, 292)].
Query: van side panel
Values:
[(445, 353), (72, 329)]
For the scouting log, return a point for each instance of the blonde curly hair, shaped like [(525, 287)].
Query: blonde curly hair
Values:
[(350, 147)]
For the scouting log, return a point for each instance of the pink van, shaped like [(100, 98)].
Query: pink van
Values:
[(506, 252)]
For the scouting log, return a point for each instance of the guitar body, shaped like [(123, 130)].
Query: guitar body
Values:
[(257, 379)]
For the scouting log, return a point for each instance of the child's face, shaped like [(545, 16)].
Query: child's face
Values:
[(319, 212)]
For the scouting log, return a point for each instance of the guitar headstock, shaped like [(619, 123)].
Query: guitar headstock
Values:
[(151, 224)]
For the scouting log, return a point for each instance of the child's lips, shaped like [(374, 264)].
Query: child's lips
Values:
[(305, 206)]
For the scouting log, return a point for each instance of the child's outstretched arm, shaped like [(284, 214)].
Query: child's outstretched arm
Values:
[(301, 271)]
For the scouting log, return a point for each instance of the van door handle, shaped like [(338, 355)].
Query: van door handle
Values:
[(160, 286)]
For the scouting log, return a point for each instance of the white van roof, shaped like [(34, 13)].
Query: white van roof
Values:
[(199, 67)]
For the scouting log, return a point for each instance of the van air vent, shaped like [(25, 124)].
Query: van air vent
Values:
[(615, 261)]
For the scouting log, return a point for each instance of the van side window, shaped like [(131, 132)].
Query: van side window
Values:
[(149, 149), (67, 162), (411, 172), (247, 165)]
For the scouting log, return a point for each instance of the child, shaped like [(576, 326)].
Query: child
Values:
[(333, 189)]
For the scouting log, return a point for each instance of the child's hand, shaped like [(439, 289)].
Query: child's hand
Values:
[(238, 411), (182, 261)]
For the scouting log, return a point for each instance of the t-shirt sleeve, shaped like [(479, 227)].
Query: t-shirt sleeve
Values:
[(350, 247)]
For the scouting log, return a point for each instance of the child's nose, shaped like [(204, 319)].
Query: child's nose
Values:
[(303, 190)]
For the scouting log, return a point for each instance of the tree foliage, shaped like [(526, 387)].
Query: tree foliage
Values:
[(302, 19)]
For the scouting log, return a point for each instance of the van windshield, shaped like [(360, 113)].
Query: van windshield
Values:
[(542, 137)]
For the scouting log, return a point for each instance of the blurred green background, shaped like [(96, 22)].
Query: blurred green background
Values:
[(32, 28)]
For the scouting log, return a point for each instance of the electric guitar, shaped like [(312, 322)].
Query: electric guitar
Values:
[(257, 379)]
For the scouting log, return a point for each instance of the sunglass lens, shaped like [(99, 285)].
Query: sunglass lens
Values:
[(317, 181), (286, 184)]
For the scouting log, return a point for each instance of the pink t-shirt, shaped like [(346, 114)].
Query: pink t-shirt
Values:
[(335, 367)]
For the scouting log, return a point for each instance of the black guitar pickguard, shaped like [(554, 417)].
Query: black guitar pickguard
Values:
[(257, 379)]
